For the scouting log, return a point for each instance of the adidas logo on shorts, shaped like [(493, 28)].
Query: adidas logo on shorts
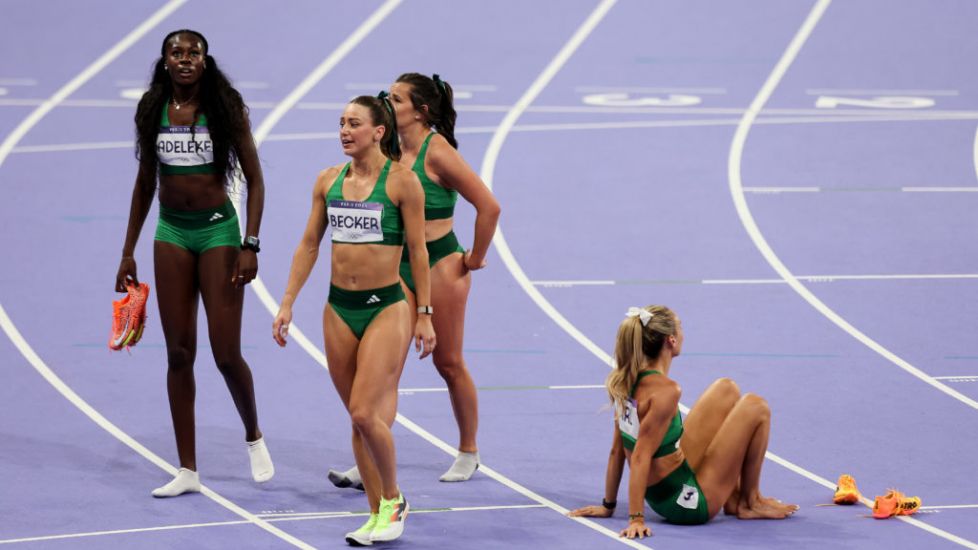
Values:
[(373, 299), (216, 216)]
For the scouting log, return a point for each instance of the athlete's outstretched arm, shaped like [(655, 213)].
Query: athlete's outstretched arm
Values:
[(305, 255), (612, 481)]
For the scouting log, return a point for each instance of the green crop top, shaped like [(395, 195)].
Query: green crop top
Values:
[(628, 424), (439, 202), (374, 220), (182, 150)]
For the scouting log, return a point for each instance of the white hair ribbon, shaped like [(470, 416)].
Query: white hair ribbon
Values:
[(643, 314)]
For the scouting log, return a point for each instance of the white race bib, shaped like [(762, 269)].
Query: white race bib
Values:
[(689, 498), (355, 221), (628, 419), (174, 146)]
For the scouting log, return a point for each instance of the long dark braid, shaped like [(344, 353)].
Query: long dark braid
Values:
[(226, 112)]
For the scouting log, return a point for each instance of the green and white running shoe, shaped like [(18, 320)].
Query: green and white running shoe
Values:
[(390, 521), (361, 537)]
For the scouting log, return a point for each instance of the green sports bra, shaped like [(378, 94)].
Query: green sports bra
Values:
[(184, 150), (374, 220), (628, 424), (439, 202)]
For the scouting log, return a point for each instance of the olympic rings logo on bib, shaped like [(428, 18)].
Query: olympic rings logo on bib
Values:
[(355, 221)]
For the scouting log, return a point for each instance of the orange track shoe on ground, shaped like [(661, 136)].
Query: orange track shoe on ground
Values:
[(846, 491), (908, 506), (888, 504), (129, 317)]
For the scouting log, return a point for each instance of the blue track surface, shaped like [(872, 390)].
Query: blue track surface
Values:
[(616, 191)]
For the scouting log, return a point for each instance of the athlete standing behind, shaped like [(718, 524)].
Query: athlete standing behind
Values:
[(192, 131)]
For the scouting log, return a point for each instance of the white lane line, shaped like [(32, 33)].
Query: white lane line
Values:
[(264, 129), (776, 190), (378, 86), (327, 514), (124, 531), (557, 127), (64, 147), (950, 507), (808, 115), (933, 189), (939, 189), (21, 343), (650, 90), (270, 517), (864, 91), (830, 278), (554, 283), (811, 278), (487, 170), (510, 388), (750, 225), (962, 378)]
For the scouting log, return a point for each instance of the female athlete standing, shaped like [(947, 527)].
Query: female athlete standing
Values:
[(426, 128), (192, 131), (373, 206)]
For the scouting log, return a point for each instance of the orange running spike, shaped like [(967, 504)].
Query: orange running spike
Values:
[(888, 504), (908, 506), (846, 491), (129, 317)]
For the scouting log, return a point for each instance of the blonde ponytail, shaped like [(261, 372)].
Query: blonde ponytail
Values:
[(636, 343)]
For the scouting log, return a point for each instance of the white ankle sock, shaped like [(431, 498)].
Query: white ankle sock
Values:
[(465, 465), (262, 468), (349, 478), (186, 481)]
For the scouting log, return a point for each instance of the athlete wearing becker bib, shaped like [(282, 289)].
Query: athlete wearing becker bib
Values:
[(374, 220), (373, 207)]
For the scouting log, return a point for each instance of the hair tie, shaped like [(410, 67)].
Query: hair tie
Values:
[(439, 82), (643, 314)]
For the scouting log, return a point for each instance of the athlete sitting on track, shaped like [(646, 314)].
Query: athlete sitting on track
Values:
[(685, 473)]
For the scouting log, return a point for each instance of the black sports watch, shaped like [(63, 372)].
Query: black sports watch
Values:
[(251, 243)]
